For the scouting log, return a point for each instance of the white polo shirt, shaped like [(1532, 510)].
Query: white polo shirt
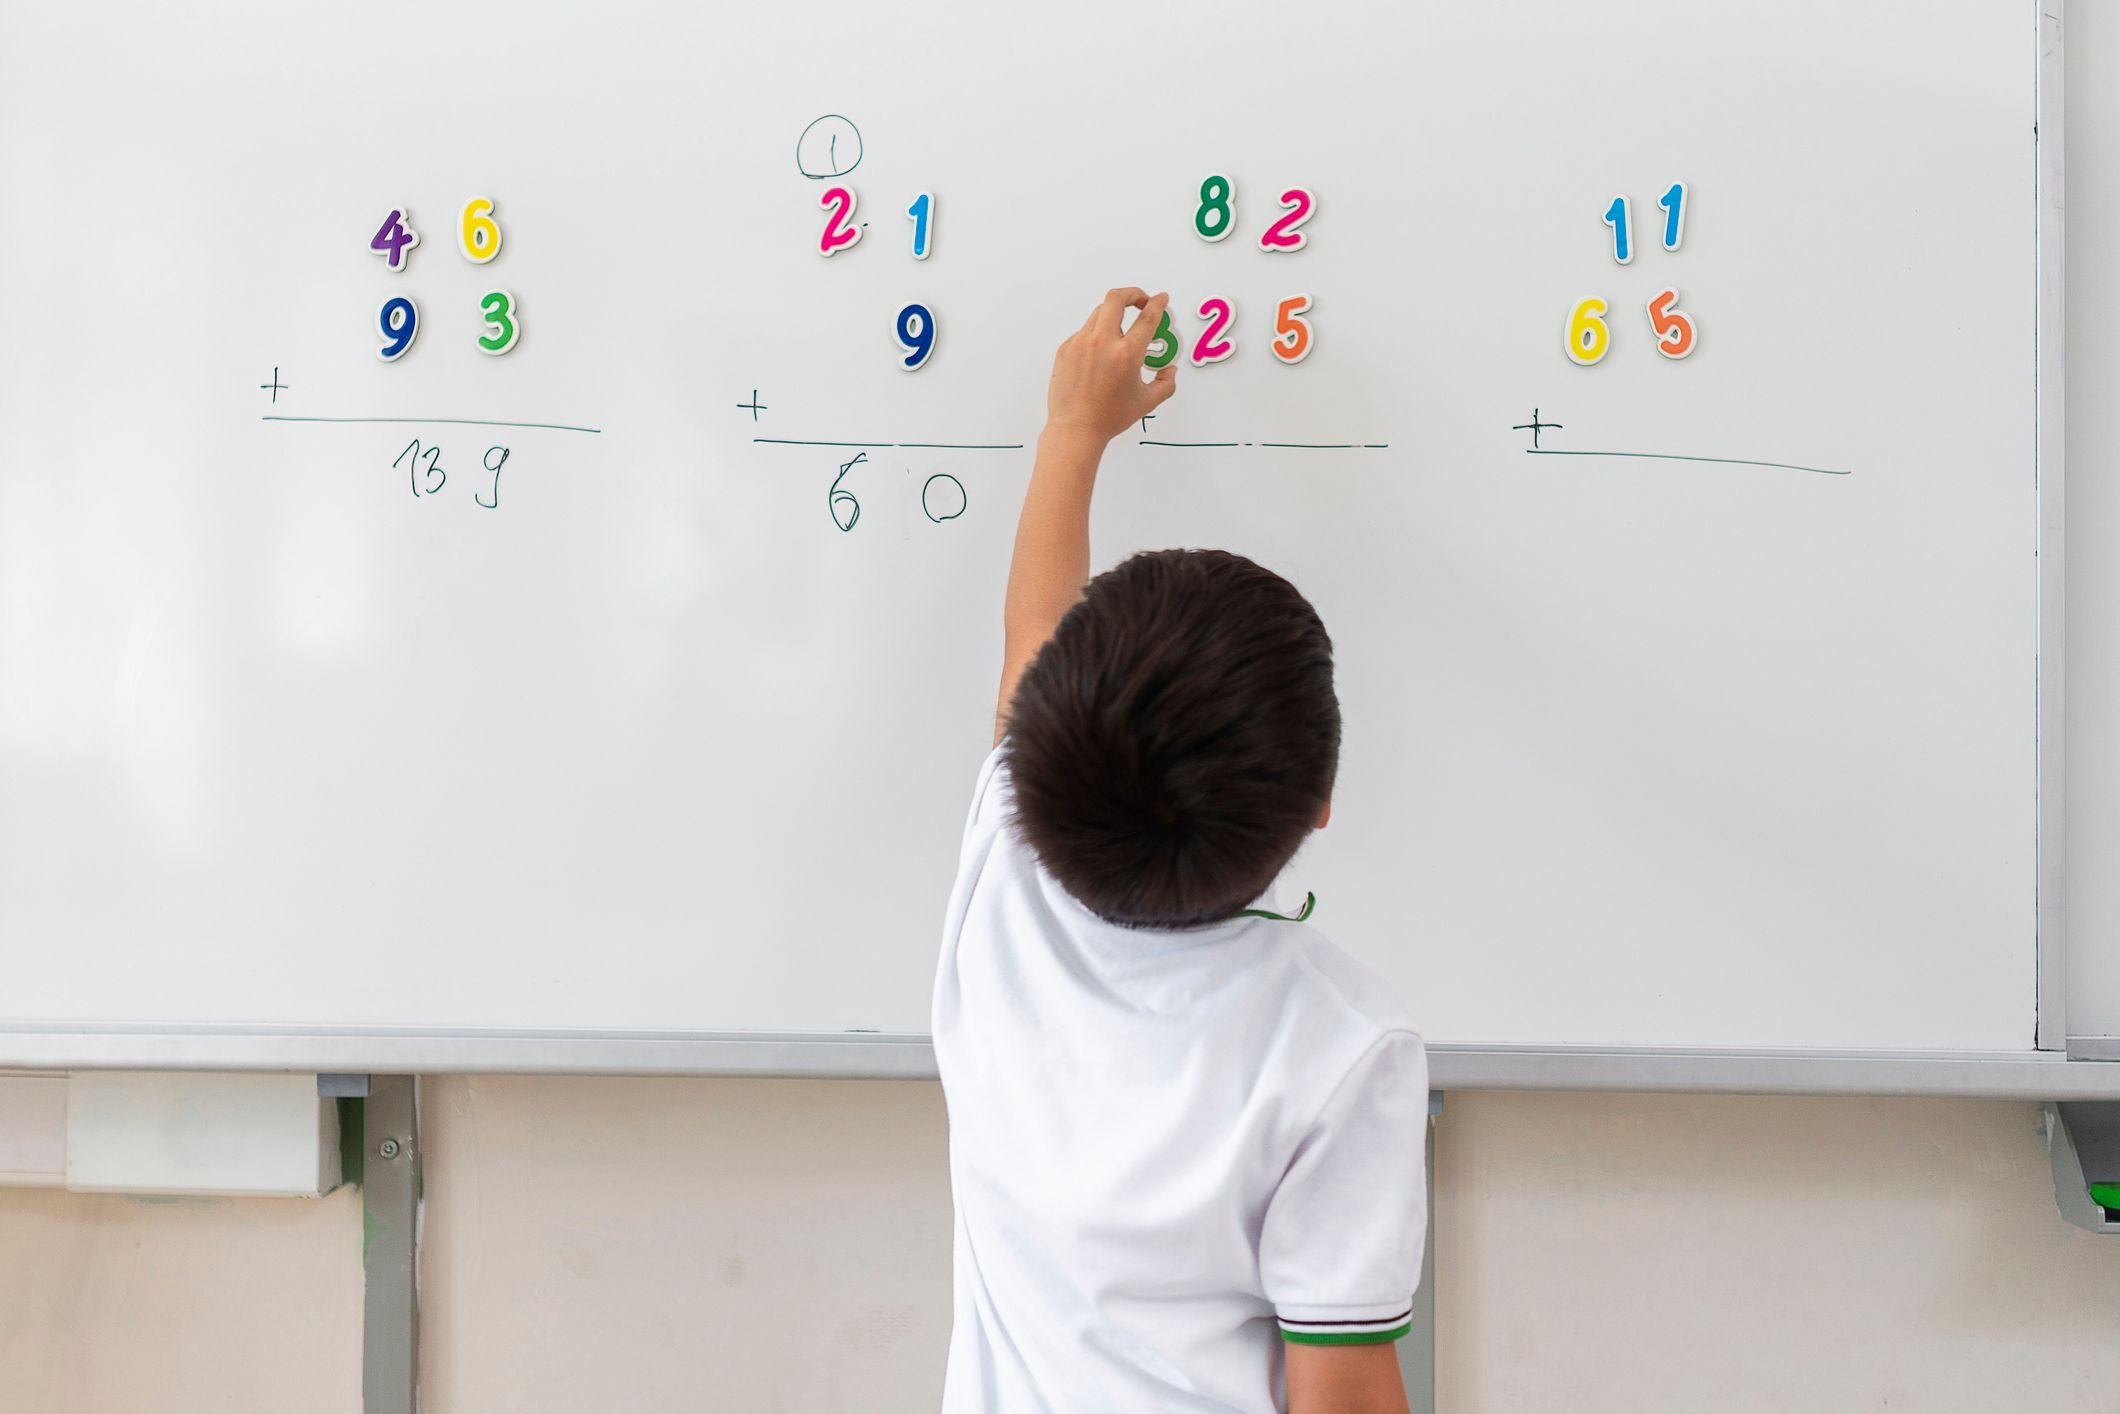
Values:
[(1170, 1151)]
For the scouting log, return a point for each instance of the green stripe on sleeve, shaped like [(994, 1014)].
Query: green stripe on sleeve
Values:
[(1346, 1337)]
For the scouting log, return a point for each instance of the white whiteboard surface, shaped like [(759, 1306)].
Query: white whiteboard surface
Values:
[(1638, 751)]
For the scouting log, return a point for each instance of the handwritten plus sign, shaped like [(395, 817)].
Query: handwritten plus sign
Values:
[(278, 387), (754, 407), (1534, 427)]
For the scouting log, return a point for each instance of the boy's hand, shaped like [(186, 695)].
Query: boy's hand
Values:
[(1097, 391)]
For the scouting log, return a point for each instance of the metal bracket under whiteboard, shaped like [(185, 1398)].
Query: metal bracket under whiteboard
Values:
[(390, 1224), (2083, 1139)]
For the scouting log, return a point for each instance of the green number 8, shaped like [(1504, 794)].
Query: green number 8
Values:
[(1215, 219), (1167, 340)]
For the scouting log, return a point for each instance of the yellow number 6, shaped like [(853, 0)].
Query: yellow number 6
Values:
[(1588, 338), (477, 233)]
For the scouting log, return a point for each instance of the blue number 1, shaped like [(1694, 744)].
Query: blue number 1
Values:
[(923, 213), (1616, 216), (1673, 201)]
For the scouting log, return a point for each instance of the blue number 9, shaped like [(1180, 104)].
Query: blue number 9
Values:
[(916, 334), (400, 322)]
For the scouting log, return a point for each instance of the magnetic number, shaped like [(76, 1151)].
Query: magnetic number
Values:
[(1588, 338), (1675, 334), (1619, 216), (916, 335), (1216, 216), (1673, 202), (840, 230), (433, 455), (400, 323), (1211, 347), (478, 235), (503, 325), (1282, 234), (922, 212), (1291, 331), (394, 240), (1164, 347)]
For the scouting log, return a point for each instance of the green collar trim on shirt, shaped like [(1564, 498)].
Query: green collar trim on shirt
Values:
[(1310, 901)]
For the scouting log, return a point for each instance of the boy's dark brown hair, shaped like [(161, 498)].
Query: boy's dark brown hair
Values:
[(1176, 739)]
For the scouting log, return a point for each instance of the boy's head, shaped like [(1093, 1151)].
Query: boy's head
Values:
[(1176, 739)]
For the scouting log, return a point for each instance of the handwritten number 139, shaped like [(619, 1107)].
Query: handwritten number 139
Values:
[(432, 477)]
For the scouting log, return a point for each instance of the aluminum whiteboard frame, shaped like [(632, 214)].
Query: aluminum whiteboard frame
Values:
[(2043, 1073), (867, 1055), (2050, 928), (2053, 939)]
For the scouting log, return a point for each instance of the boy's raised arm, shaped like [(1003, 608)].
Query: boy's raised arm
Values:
[(1096, 393)]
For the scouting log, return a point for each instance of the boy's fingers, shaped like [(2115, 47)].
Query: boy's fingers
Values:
[(1144, 331), (1115, 304), (1157, 390)]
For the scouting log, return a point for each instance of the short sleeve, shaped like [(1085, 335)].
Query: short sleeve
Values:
[(1340, 1248), (989, 796)]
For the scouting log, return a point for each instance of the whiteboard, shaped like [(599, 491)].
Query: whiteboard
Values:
[(1638, 751)]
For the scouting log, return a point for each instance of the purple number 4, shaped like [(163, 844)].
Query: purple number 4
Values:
[(394, 239)]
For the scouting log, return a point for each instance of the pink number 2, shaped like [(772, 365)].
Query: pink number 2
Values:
[(840, 231), (1282, 234), (1211, 347)]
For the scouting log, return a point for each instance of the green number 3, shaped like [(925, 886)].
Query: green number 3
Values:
[(1214, 219), (1166, 342), (503, 325)]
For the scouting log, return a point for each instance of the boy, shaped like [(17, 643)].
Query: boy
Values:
[(1186, 1133)]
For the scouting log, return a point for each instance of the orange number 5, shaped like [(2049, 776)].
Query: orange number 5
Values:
[(1291, 331), (1675, 334)]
